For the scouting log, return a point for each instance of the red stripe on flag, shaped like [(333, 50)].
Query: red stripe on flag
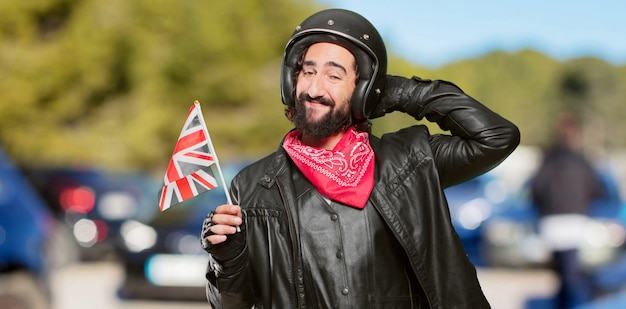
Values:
[(189, 140), (200, 156), (184, 187), (203, 181), (191, 110), (172, 173), (162, 201)]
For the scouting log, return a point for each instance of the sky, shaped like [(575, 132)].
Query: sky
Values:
[(434, 33)]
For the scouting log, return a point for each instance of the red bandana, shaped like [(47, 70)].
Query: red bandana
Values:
[(344, 174)]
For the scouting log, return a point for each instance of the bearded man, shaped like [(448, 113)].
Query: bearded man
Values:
[(340, 218)]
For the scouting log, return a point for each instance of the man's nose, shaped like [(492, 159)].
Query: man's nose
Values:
[(316, 87)]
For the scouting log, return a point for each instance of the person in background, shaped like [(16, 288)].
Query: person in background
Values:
[(563, 189), (338, 217)]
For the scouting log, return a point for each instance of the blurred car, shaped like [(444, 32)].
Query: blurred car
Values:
[(513, 240), (25, 226), (163, 258), (471, 203), (93, 204)]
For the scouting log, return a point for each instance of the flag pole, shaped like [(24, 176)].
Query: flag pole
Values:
[(217, 161)]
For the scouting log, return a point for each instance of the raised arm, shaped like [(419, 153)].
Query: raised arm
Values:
[(480, 138)]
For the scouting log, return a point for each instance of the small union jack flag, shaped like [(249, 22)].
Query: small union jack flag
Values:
[(189, 172)]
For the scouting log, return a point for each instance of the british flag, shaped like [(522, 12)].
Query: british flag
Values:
[(189, 172)]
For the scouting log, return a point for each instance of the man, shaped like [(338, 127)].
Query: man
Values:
[(563, 189), (338, 218)]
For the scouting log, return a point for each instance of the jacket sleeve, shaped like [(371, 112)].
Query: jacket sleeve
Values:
[(480, 139), (228, 282), (227, 285)]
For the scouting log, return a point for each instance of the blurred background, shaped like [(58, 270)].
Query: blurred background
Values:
[(93, 95)]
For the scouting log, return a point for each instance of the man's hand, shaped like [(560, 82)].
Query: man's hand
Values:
[(220, 232), (226, 219), (397, 88)]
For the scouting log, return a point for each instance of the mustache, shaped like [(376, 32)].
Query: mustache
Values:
[(303, 97)]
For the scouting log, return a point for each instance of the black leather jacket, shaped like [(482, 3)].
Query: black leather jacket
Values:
[(412, 168)]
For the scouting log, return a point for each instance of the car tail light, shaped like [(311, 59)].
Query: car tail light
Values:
[(78, 199), (103, 230)]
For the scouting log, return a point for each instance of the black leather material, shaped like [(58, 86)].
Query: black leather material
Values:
[(227, 250), (412, 169)]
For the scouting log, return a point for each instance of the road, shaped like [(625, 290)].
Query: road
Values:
[(94, 285)]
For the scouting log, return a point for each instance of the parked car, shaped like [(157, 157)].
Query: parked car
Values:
[(162, 258), (93, 204), (25, 226), (471, 203), (512, 238)]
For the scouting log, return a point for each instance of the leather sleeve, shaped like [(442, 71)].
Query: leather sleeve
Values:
[(480, 138), (229, 283)]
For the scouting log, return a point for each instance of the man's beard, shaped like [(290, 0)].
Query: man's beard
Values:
[(332, 122)]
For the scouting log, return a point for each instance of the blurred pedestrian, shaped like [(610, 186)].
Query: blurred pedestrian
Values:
[(340, 218), (563, 189)]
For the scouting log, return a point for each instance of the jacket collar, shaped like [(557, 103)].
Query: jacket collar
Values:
[(277, 165)]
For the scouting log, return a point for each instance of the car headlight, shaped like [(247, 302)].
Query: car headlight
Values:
[(183, 243), (472, 214), (601, 242), (176, 270), (138, 236), (600, 234), (117, 205), (513, 243), (503, 233), (89, 232)]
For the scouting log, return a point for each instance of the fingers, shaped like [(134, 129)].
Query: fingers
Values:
[(219, 233), (227, 215), (223, 229), (226, 221), (216, 239), (228, 209)]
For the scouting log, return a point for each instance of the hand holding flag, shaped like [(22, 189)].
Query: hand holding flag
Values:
[(189, 172)]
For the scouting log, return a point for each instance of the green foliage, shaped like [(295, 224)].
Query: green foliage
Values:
[(109, 82), (530, 89)]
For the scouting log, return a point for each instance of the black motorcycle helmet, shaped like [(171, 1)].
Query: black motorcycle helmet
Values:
[(353, 32)]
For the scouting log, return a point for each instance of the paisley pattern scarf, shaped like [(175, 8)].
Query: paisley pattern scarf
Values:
[(344, 174)]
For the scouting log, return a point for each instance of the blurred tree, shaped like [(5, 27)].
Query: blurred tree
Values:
[(518, 86), (109, 82), (592, 91), (530, 89)]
